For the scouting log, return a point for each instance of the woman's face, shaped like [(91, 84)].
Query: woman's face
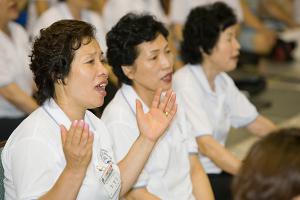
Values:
[(153, 67), (224, 55), (8, 10), (85, 85)]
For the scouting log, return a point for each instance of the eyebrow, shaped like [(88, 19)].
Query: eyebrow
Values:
[(157, 50)]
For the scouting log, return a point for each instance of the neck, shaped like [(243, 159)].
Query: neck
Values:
[(145, 94), (75, 10), (73, 112), (210, 73), (4, 26)]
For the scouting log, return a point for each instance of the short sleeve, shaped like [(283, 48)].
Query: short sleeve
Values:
[(194, 111), (33, 168), (242, 111), (6, 72)]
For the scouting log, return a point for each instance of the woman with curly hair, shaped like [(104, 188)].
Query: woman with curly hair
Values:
[(63, 151)]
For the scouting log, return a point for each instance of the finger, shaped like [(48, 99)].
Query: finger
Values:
[(156, 99), (70, 133), (89, 144), (63, 134), (85, 135), (170, 103), (139, 109), (172, 112), (165, 100), (78, 132)]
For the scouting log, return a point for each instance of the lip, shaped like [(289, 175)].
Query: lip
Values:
[(167, 77), (101, 90)]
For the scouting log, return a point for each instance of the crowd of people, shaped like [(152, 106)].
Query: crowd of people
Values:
[(163, 133)]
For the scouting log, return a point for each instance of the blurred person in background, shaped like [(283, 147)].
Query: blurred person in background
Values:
[(212, 101), (16, 82)]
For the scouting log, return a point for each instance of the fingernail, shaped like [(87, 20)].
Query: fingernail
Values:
[(75, 123), (81, 123)]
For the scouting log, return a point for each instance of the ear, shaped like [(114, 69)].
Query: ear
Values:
[(129, 71)]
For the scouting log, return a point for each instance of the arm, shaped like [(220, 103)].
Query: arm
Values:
[(151, 125), (16, 96), (278, 13), (201, 185), (41, 6), (261, 126), (140, 193), (251, 20), (77, 146), (223, 158)]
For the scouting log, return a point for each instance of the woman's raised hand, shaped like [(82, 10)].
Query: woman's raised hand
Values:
[(77, 146), (154, 123)]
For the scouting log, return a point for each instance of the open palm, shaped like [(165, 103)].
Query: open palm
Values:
[(154, 123)]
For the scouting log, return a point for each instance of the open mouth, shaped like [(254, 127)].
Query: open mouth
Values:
[(101, 88), (168, 77)]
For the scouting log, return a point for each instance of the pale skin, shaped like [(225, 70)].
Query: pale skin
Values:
[(149, 71), (224, 58), (87, 68), (12, 92)]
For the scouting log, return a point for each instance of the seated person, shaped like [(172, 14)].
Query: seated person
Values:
[(271, 169), (212, 102), (16, 83), (71, 9), (62, 151), (140, 56)]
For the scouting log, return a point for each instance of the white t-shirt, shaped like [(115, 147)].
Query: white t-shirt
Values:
[(180, 9), (14, 66), (167, 172), (115, 9), (61, 11), (32, 13), (212, 112), (33, 157)]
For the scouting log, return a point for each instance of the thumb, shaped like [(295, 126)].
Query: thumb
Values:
[(63, 135), (139, 109)]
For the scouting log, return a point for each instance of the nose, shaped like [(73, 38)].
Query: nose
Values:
[(166, 60), (102, 70), (237, 44)]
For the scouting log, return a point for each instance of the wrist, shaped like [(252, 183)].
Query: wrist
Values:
[(147, 141)]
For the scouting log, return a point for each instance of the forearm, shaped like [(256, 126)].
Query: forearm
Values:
[(201, 185), (141, 193), (132, 165), (16, 96), (278, 13), (261, 126), (222, 157), (250, 19), (68, 181)]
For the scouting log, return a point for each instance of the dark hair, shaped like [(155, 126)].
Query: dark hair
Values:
[(122, 40), (53, 53), (271, 170), (202, 30)]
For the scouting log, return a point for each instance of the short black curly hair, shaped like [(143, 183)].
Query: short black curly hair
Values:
[(53, 52), (122, 40), (202, 30)]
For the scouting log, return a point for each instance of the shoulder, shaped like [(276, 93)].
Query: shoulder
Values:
[(117, 110), (18, 28), (38, 126)]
